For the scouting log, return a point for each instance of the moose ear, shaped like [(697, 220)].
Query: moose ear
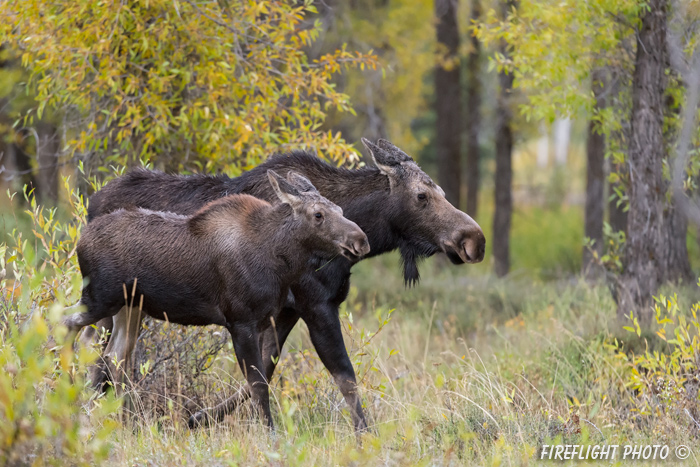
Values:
[(302, 183), (394, 152), (285, 191), (387, 157), (378, 157)]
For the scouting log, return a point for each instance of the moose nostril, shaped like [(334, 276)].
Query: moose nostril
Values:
[(465, 248), (473, 244), (361, 247)]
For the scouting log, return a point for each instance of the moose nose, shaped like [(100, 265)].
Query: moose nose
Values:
[(360, 245), (472, 244)]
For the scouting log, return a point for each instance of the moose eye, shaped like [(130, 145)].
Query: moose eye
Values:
[(318, 215), (422, 196)]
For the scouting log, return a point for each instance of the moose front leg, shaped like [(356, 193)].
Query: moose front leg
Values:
[(246, 346), (327, 337), (271, 344)]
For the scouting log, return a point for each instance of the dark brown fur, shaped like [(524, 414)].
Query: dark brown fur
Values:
[(230, 264), (385, 201)]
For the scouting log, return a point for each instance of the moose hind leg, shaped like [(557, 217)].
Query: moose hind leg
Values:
[(115, 361), (76, 321), (91, 335)]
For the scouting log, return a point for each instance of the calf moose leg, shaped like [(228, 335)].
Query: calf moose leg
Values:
[(246, 346), (114, 363), (91, 335), (94, 313), (327, 337), (273, 339)]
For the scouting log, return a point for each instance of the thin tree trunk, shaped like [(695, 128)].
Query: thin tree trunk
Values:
[(676, 262), (504, 171), (643, 261), (595, 183), (448, 101), (617, 216), (47, 161), (23, 162), (562, 137), (473, 117)]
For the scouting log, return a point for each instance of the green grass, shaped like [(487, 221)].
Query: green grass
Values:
[(470, 370)]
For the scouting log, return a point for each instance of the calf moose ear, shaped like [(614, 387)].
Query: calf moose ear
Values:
[(387, 157), (285, 191), (302, 183)]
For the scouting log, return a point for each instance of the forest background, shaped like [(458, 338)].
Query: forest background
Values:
[(566, 129)]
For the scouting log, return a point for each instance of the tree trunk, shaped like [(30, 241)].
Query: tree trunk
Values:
[(617, 216), (676, 262), (448, 100), (562, 137), (595, 183), (543, 147), (47, 160), (504, 170), (23, 162), (643, 259), (473, 118)]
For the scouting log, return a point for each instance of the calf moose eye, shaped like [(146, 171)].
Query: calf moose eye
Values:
[(318, 215), (422, 196)]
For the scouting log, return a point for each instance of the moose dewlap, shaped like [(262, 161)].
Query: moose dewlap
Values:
[(229, 264)]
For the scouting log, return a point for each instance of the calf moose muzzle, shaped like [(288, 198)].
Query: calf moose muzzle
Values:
[(355, 246)]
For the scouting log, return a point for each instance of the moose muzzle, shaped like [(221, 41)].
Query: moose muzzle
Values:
[(355, 244), (466, 246)]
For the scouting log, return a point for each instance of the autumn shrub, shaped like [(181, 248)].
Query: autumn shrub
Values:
[(205, 86), (52, 414), (665, 376), (177, 370), (48, 418)]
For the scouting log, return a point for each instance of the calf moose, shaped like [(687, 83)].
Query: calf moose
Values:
[(395, 203), (230, 264)]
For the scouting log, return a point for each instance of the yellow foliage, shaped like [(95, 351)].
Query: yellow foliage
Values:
[(180, 83)]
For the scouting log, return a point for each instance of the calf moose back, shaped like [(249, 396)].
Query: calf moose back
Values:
[(230, 264), (396, 204)]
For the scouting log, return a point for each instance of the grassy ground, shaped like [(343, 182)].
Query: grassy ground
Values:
[(468, 370), (464, 369)]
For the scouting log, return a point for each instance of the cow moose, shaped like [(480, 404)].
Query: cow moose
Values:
[(230, 264), (396, 204)]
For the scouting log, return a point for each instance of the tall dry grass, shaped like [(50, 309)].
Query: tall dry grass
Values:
[(465, 369)]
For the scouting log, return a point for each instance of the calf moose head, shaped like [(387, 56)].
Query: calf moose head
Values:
[(427, 221), (325, 227)]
